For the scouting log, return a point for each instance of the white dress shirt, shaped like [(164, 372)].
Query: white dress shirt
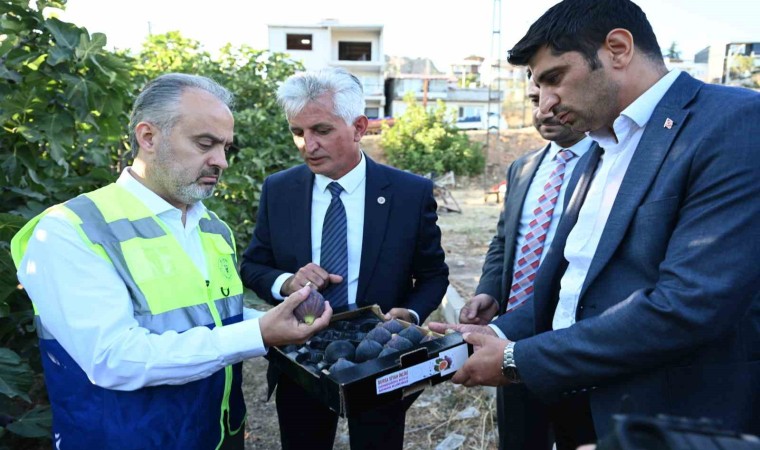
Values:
[(619, 149), (85, 305), (536, 189), (354, 190)]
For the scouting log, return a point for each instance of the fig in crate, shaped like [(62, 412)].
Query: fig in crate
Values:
[(399, 343), (379, 334), (367, 349), (412, 333), (340, 349)]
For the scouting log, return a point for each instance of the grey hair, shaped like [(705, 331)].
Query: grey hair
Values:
[(303, 88), (158, 103)]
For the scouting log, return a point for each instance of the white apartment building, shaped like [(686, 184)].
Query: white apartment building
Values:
[(357, 48)]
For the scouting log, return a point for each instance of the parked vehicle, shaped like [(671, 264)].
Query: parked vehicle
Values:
[(479, 123)]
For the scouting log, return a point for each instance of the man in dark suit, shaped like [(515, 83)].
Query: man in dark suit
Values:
[(523, 420), (388, 241), (650, 302)]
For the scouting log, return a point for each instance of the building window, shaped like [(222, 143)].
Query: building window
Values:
[(469, 113), (354, 51), (372, 113), (299, 42)]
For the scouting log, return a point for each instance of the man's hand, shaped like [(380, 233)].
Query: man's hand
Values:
[(442, 328), (280, 327), (479, 310), (309, 273), (483, 368), (400, 313)]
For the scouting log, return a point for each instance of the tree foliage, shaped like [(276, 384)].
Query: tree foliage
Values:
[(64, 106), (62, 109), (261, 130), (424, 141)]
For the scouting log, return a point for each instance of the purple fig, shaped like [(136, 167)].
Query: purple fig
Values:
[(387, 351), (341, 364), (311, 308), (412, 333), (368, 349), (393, 325), (399, 343), (379, 334), (340, 349), (309, 357), (428, 337)]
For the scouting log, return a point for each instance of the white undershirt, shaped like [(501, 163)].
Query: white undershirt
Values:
[(583, 240)]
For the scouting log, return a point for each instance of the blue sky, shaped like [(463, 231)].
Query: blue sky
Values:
[(442, 30)]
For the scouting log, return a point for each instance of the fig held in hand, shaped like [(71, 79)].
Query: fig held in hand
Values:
[(311, 308)]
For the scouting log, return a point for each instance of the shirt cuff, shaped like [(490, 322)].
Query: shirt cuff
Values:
[(415, 316), (241, 340), (277, 286), (250, 313), (498, 331)]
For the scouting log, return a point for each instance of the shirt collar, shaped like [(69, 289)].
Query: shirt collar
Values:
[(639, 112), (578, 149), (350, 181), (150, 199)]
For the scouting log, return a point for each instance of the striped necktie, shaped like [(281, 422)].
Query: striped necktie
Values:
[(529, 255), (334, 256)]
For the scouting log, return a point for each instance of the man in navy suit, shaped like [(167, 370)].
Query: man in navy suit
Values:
[(653, 304), (523, 420), (391, 244)]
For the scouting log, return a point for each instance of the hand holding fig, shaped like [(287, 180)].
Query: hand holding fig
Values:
[(311, 308), (280, 326)]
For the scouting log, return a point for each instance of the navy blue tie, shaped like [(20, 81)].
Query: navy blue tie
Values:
[(334, 257)]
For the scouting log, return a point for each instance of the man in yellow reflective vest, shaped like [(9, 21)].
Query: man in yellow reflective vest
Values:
[(139, 306)]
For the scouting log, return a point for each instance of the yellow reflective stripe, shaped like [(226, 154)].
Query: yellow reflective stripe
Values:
[(115, 202), (165, 274)]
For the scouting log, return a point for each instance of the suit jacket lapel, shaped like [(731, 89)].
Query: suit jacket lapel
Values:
[(517, 190), (375, 220), (645, 164), (300, 214)]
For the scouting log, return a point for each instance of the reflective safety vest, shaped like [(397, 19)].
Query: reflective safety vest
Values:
[(168, 293)]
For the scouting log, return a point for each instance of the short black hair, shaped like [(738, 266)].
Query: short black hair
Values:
[(582, 26)]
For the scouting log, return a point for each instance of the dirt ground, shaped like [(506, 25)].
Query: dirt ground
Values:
[(445, 411)]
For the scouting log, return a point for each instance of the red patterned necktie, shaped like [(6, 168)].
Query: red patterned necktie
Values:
[(529, 255)]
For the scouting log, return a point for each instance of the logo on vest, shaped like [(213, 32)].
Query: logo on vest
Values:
[(224, 267)]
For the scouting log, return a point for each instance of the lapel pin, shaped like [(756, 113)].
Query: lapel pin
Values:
[(668, 123), (381, 200)]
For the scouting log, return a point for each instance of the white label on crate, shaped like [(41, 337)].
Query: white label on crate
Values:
[(446, 362)]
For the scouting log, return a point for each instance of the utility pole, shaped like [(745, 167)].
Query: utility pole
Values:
[(493, 114)]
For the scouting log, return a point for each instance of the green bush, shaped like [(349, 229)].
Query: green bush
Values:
[(64, 106), (428, 141)]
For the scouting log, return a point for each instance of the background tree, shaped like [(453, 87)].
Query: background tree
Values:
[(673, 52), (63, 105), (425, 141), (262, 138)]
